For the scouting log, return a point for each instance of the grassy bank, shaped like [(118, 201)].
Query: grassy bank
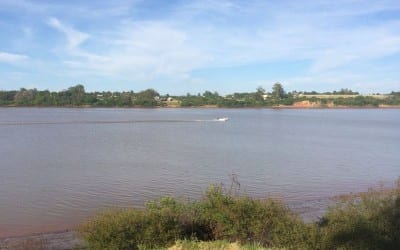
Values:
[(367, 221)]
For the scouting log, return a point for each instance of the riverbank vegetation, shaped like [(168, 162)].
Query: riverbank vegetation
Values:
[(367, 221), (76, 96)]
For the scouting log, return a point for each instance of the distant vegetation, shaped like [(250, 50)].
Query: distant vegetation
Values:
[(76, 96), (367, 221)]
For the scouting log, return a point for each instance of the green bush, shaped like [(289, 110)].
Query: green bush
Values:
[(368, 221), (218, 216), (244, 219), (115, 229), (160, 224)]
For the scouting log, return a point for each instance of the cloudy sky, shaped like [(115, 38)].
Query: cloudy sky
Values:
[(190, 46)]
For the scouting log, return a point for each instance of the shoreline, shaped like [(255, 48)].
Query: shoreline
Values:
[(306, 209), (58, 240), (210, 107), (309, 210)]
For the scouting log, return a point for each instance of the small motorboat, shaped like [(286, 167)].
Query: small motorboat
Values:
[(222, 119)]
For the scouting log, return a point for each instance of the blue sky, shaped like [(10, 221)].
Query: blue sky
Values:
[(191, 46)]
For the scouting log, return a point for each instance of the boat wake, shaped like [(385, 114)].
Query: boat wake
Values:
[(27, 123)]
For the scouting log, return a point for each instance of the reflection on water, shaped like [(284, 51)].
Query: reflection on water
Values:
[(59, 166)]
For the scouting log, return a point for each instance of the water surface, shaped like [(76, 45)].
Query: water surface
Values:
[(59, 166)]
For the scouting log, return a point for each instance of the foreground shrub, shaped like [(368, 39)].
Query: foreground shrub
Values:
[(218, 216), (159, 225), (116, 229), (243, 219), (368, 221)]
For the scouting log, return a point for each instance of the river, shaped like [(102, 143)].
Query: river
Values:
[(59, 166)]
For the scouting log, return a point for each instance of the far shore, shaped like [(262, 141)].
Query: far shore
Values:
[(211, 107)]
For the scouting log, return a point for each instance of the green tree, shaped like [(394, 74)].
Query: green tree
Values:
[(25, 96), (125, 99), (278, 91), (43, 98), (147, 98), (77, 94), (259, 95), (260, 90), (7, 97)]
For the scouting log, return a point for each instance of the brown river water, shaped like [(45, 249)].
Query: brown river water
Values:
[(60, 166)]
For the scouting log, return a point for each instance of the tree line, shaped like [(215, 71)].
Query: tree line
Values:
[(77, 96)]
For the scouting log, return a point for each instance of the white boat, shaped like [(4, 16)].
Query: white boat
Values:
[(222, 119)]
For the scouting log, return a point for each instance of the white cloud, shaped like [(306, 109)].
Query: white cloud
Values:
[(74, 37), (12, 58), (357, 45), (142, 50), (365, 82)]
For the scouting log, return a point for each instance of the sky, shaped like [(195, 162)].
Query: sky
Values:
[(180, 47)]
